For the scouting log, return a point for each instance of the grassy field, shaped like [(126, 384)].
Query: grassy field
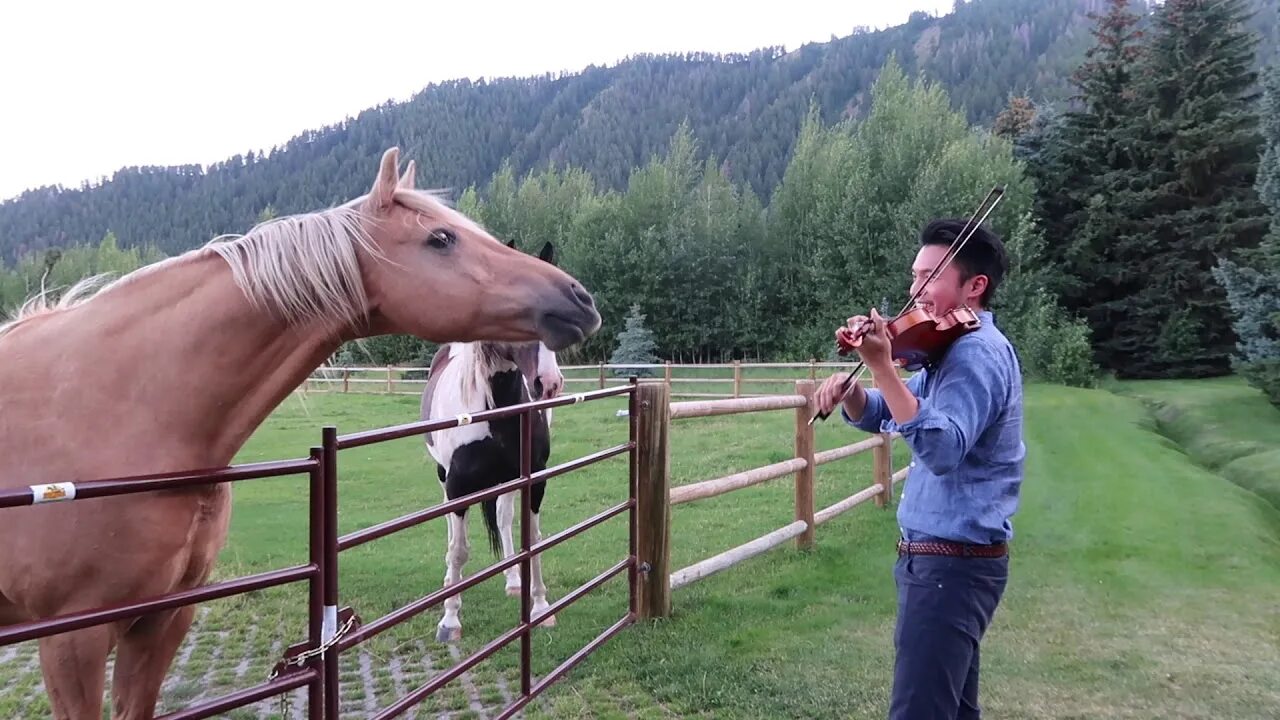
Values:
[(1223, 424), (1142, 584)]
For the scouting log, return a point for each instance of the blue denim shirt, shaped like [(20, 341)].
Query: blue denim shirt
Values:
[(965, 440)]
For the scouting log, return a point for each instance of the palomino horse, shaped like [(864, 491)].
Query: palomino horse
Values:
[(172, 368), (468, 378)]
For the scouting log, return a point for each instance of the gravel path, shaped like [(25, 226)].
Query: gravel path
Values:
[(214, 661)]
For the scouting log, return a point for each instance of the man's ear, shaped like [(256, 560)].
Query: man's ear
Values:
[(978, 285)]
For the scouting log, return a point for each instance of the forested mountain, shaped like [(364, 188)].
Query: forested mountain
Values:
[(744, 111)]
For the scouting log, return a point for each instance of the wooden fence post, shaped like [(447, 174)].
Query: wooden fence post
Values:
[(388, 379), (653, 500), (601, 376), (668, 379), (804, 451), (346, 380), (882, 456), (737, 378)]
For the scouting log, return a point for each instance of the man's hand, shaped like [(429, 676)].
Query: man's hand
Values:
[(875, 348), (828, 396)]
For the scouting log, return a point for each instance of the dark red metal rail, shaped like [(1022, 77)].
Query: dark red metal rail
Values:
[(314, 663), (313, 572), (523, 557)]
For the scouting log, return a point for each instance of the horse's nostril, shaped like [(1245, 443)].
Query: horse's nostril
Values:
[(582, 296)]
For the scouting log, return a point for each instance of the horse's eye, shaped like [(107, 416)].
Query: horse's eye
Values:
[(441, 238)]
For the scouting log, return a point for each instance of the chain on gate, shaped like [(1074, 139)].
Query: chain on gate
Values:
[(302, 658)]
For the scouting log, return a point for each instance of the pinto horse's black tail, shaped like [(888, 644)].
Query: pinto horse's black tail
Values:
[(489, 509)]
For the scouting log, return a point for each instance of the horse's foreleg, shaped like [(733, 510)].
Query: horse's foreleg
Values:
[(538, 591), (450, 627), (74, 665), (506, 515), (144, 655)]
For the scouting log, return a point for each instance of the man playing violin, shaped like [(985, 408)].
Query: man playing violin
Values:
[(962, 418)]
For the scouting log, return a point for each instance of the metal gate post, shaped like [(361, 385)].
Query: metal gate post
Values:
[(329, 451), (315, 609)]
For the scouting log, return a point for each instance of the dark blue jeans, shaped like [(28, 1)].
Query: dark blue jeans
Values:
[(944, 607)]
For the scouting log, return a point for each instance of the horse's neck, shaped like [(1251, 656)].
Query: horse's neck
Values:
[(475, 366), (184, 346)]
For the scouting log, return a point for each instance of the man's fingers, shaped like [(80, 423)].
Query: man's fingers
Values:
[(829, 393)]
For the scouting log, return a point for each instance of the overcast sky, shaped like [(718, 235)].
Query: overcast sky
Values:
[(87, 87)]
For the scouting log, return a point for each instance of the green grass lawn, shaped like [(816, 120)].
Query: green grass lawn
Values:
[(1223, 424), (1143, 584)]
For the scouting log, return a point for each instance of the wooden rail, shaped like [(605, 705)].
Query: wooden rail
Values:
[(737, 481), (736, 406), (731, 557)]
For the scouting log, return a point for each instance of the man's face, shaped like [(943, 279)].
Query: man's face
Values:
[(947, 292)]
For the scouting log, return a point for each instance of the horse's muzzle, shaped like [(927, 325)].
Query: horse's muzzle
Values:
[(569, 319)]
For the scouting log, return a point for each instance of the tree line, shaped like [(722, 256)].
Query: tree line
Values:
[(1141, 218), (1160, 190), (717, 274), (745, 109)]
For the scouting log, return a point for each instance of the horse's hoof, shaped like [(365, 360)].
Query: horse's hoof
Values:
[(548, 623), (446, 634)]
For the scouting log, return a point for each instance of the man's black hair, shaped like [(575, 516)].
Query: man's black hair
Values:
[(983, 254)]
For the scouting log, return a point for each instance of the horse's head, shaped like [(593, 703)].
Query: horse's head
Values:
[(537, 363), (438, 275)]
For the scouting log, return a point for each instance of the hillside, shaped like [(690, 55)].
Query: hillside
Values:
[(744, 110)]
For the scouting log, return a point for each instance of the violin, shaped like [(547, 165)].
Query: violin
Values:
[(917, 337)]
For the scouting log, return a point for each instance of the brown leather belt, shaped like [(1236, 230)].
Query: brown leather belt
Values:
[(952, 549)]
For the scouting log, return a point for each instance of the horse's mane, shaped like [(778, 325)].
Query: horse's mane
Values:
[(301, 267), (476, 363)]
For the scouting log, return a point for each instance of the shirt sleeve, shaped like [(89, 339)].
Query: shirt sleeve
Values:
[(876, 412), (965, 400)]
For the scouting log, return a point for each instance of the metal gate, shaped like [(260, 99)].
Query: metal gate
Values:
[(314, 663)]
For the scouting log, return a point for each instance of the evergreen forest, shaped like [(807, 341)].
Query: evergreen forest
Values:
[(727, 207)]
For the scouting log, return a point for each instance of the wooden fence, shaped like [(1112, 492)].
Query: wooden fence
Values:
[(656, 497), (705, 380), (656, 412)]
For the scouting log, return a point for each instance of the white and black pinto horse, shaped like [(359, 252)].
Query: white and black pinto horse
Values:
[(471, 378)]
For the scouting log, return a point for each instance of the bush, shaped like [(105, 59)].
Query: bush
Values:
[(1264, 375), (1051, 345)]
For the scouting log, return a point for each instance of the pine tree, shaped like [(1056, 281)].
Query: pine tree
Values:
[(1189, 197), (1252, 281), (1083, 154), (635, 345), (1016, 118)]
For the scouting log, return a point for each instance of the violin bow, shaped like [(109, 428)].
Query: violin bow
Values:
[(970, 227)]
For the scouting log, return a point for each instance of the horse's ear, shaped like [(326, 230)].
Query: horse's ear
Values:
[(384, 187), (548, 253), (511, 244), (406, 180)]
